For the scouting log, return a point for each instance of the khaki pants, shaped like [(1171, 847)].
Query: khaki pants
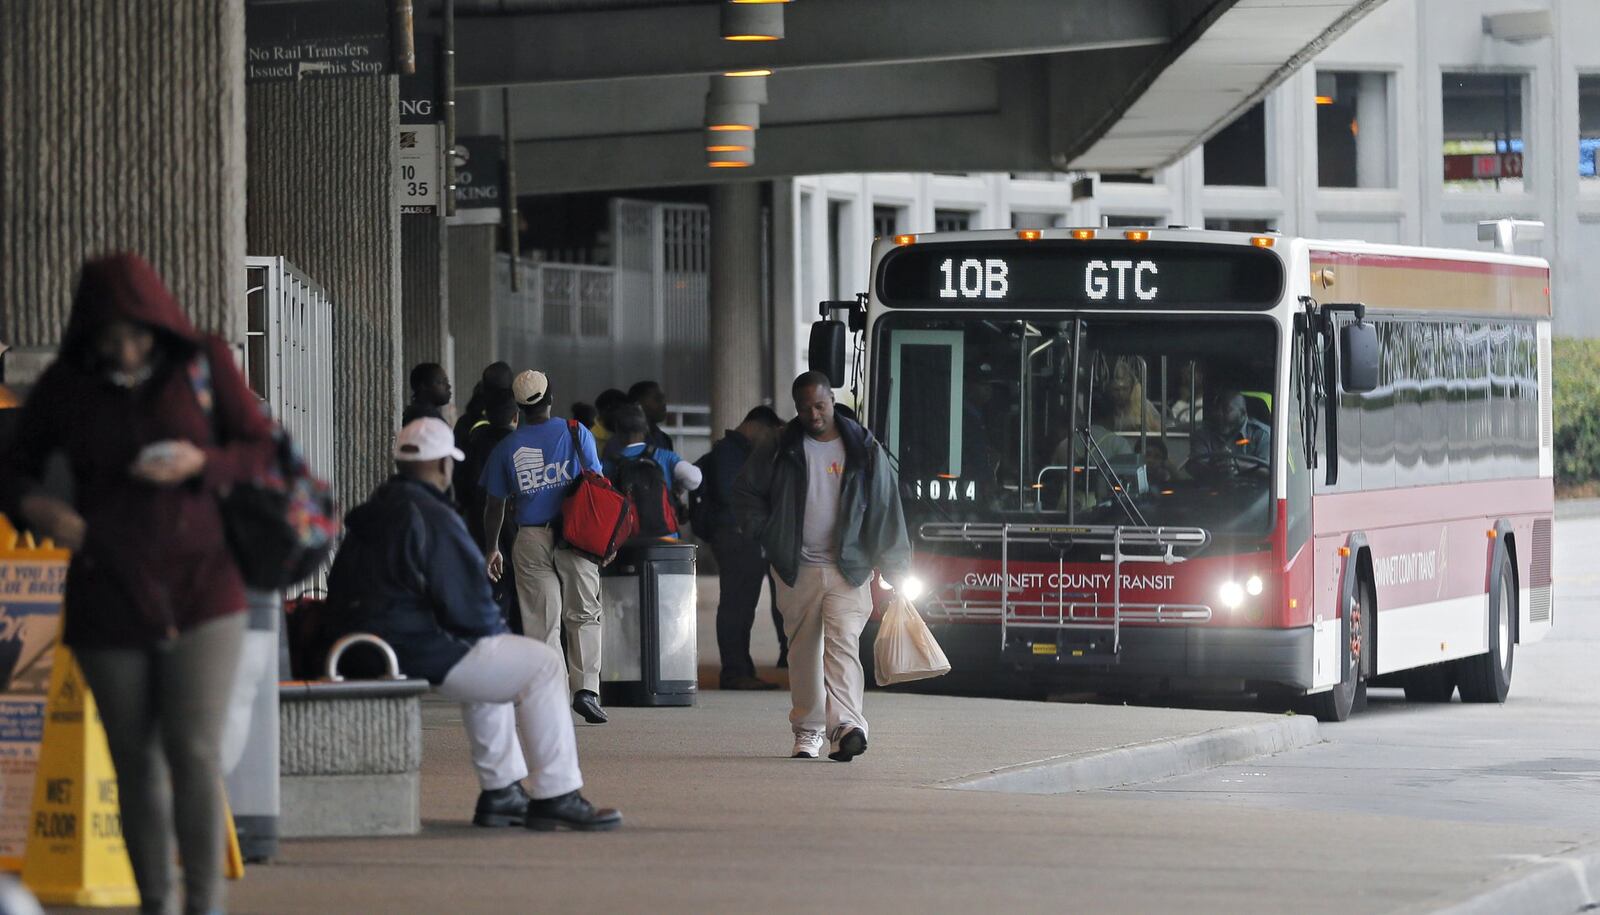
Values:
[(558, 586), (823, 615)]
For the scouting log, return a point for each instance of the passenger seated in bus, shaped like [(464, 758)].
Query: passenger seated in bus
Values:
[(1071, 453), (1130, 409), (1228, 432), (1158, 466), (1186, 407)]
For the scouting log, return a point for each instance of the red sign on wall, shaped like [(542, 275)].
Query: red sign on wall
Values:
[(1485, 167)]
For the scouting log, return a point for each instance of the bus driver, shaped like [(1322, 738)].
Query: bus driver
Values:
[(1228, 432)]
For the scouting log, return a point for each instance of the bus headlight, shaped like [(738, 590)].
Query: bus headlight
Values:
[(1253, 586), (1231, 595), (912, 588)]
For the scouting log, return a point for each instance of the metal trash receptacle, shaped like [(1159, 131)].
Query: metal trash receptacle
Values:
[(649, 654)]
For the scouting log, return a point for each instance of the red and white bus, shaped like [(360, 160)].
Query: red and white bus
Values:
[(1212, 459)]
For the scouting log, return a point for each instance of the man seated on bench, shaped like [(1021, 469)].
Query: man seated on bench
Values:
[(408, 572)]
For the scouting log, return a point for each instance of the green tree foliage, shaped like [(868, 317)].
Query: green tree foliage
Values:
[(1577, 410)]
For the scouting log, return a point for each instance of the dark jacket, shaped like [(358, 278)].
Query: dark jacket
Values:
[(770, 494), (481, 443), (420, 409), (154, 561), (723, 465), (409, 573)]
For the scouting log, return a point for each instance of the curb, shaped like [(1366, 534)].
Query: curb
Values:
[(1143, 762), (1554, 883)]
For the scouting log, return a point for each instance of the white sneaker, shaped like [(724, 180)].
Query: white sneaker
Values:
[(807, 746)]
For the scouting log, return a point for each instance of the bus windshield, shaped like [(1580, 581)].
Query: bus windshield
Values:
[(1088, 419)]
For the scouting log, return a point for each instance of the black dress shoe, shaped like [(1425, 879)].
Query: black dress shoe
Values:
[(587, 704), (570, 811), (506, 806), (851, 745)]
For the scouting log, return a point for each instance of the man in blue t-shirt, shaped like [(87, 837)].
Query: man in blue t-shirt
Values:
[(536, 466)]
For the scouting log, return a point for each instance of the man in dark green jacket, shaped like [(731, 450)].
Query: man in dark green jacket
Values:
[(823, 501)]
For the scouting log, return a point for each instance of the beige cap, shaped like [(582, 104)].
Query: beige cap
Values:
[(530, 388)]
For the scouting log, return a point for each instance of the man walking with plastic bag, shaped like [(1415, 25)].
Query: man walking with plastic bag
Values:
[(823, 501)]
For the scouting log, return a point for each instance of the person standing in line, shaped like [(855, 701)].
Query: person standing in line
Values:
[(651, 485), (501, 414), (605, 407), (823, 502), (536, 465), (496, 377), (155, 606), (649, 396), (407, 572), (430, 393), (741, 568)]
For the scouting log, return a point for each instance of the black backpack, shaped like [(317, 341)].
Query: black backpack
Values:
[(704, 506), (643, 482)]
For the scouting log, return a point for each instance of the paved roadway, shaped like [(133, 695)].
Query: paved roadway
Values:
[(1404, 808), (1534, 761)]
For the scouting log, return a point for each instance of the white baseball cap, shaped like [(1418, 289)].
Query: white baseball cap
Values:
[(426, 439), (530, 388)]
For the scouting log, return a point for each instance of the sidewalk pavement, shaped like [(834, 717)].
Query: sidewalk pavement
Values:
[(719, 820)]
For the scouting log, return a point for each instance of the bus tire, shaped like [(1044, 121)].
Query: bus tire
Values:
[(1351, 691), (1434, 683), (1487, 677)]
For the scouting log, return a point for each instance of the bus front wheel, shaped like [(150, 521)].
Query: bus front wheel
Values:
[(1350, 693), (1487, 677)]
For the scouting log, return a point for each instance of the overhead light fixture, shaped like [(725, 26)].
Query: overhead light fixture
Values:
[(742, 74), (731, 158), (1324, 100), (729, 140), (732, 116), (752, 21), (733, 90), (1327, 88)]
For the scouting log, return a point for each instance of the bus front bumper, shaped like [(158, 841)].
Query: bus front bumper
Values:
[(1281, 656)]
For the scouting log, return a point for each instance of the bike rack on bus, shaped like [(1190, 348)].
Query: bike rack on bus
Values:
[(1148, 545)]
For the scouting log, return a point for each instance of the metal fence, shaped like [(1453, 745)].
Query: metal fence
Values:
[(289, 361)]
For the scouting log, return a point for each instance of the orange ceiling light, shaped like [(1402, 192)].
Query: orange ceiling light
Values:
[(1324, 100), (741, 74), (752, 21)]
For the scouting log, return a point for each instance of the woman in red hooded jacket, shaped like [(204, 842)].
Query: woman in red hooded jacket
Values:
[(154, 601)]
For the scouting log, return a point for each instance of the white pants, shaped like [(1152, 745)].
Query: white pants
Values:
[(510, 686), (556, 585), (823, 615)]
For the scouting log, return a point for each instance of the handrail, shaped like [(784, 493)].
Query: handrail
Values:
[(362, 638)]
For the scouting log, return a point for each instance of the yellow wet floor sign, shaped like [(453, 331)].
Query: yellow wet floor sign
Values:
[(75, 854)]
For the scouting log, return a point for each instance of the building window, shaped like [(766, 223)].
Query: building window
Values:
[(1484, 146), (1237, 155), (1249, 224), (951, 220), (1354, 141), (840, 244), (1126, 178), (1021, 220), (1589, 127), (1114, 221), (885, 221)]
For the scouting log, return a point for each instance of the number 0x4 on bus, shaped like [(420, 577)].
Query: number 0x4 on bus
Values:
[(1210, 459)]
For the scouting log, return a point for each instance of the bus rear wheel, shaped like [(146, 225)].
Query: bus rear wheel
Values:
[(1487, 677), (1351, 691), (1434, 683)]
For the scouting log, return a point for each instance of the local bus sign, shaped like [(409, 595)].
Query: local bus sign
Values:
[(1051, 274)]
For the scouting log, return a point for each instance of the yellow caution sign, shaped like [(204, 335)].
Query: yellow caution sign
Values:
[(75, 854)]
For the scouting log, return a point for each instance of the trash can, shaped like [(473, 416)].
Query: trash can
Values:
[(649, 655)]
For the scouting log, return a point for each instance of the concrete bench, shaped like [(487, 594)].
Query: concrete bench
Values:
[(350, 751)]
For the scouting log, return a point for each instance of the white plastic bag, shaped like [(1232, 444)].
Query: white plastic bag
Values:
[(905, 650)]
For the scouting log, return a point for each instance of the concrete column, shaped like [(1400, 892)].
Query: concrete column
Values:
[(736, 343), (1373, 135), (321, 193), (472, 314), (423, 290), (121, 127)]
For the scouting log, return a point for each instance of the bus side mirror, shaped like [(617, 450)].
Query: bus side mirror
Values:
[(826, 353), (1358, 357)]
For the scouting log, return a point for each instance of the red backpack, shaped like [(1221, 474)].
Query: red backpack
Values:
[(596, 519)]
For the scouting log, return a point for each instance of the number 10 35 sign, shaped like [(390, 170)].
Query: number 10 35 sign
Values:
[(418, 181)]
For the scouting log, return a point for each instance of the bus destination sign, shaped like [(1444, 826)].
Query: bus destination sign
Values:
[(1081, 274)]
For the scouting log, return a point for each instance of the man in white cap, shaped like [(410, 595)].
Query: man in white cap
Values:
[(536, 466), (409, 572)]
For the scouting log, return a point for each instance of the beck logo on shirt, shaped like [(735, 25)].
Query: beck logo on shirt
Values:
[(533, 474)]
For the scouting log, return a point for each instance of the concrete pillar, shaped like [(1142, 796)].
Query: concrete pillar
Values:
[(472, 315), (1373, 134), (736, 347), (424, 319), (121, 127), (321, 193)]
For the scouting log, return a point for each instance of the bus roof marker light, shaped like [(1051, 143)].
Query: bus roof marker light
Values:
[(904, 240), (1083, 234), (1030, 234), (1136, 235), (1262, 241)]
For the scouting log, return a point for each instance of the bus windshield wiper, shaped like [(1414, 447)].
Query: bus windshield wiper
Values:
[(1119, 493)]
